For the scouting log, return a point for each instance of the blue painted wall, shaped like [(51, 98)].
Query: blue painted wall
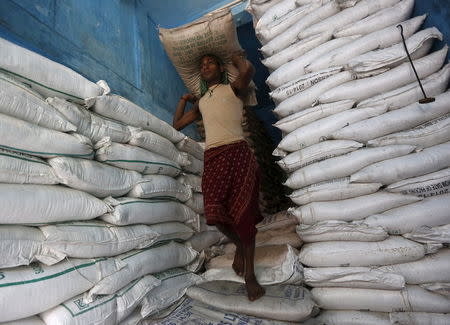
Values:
[(117, 40), (438, 16)]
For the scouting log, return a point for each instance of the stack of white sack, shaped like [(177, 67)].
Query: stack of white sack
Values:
[(277, 268), (89, 241), (367, 163)]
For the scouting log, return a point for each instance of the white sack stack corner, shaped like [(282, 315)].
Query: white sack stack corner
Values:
[(368, 164), (97, 205)]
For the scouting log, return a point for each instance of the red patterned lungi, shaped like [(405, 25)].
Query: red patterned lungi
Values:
[(230, 186)]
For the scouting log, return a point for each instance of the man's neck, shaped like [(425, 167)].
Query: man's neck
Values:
[(213, 83)]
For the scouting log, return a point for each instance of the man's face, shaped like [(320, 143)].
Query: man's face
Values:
[(210, 70)]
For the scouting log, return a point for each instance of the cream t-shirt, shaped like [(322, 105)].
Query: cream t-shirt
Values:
[(222, 113)]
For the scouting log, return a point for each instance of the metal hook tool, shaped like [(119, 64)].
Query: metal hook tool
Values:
[(425, 99)]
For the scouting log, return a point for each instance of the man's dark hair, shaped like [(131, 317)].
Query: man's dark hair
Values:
[(214, 57)]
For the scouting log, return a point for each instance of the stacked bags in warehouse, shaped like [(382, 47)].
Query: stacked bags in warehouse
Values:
[(94, 221), (277, 257), (367, 163)]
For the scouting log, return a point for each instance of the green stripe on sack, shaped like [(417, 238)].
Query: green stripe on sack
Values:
[(143, 162), (171, 273), (53, 275), (47, 153), (25, 159), (42, 85), (159, 244), (116, 295)]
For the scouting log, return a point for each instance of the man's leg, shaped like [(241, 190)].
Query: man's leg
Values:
[(254, 289), (238, 262)]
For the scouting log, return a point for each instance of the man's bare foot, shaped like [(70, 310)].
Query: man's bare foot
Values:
[(254, 289), (238, 263)]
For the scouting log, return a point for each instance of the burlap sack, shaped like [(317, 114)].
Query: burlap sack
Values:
[(214, 33)]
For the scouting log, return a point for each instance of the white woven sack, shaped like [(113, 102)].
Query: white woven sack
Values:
[(432, 211), (353, 277), (378, 39), (286, 303), (257, 8), (290, 271), (142, 262), (46, 76), (196, 203), (155, 143), (110, 309), (351, 209), (192, 181), (296, 68), (342, 3), (100, 239), (345, 165), (360, 89), (407, 318), (160, 186), (33, 320), (19, 101), (361, 10), (128, 211), (214, 33), (125, 111), (204, 240), (426, 135), (396, 169), (21, 245), (265, 257), (336, 189), (389, 16), (412, 298), (334, 230), (286, 236), (282, 219), (195, 165), (276, 12), (174, 284), (295, 50), (433, 85), (275, 237), (431, 268), (134, 158), (96, 178), (393, 250), (48, 286), (20, 168), (41, 204), (349, 317), (191, 311), (304, 82), (89, 124), (289, 36), (430, 235), (275, 28), (394, 121), (24, 137), (321, 129), (308, 97), (440, 288), (192, 147), (293, 122), (317, 152), (418, 45)]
